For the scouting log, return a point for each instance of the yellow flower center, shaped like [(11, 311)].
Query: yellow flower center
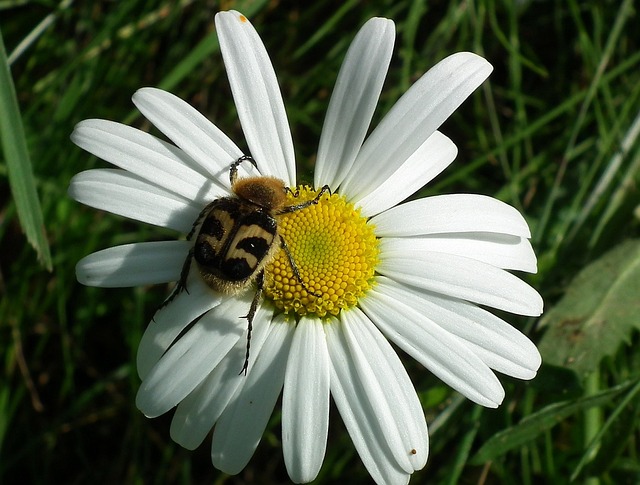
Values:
[(335, 251)]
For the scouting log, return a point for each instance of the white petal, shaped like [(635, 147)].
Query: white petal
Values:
[(191, 358), (500, 250), (305, 402), (122, 193), (358, 413), (444, 354), (147, 157), (257, 96), (209, 147), (431, 158), (354, 100), (442, 214), (133, 264), (242, 424), (389, 389), (499, 345), (414, 118), (170, 320), (462, 278), (198, 412)]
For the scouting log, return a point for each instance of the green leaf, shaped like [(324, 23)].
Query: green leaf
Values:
[(614, 436), (534, 425), (597, 313), (15, 151)]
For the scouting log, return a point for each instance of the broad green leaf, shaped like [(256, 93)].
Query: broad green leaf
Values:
[(535, 424), (598, 312), (15, 151)]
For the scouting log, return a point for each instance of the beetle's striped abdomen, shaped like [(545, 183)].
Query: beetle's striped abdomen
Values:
[(233, 241)]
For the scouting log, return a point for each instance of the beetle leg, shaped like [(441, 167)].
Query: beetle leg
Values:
[(249, 316), (233, 169), (294, 266), (182, 282), (304, 205)]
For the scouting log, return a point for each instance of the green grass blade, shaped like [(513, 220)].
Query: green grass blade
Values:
[(21, 178), (537, 423)]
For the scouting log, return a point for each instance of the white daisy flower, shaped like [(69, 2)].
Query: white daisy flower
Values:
[(418, 274)]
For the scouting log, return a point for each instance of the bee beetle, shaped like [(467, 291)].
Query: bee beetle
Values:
[(238, 236)]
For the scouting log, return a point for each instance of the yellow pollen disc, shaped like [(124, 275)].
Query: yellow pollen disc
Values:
[(335, 251)]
